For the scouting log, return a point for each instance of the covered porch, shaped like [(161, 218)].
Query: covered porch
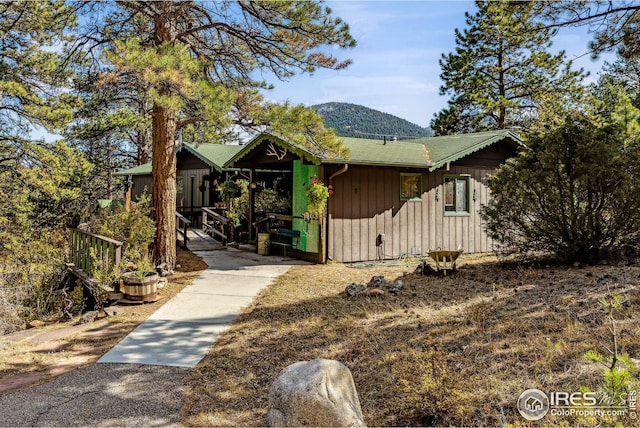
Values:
[(274, 164)]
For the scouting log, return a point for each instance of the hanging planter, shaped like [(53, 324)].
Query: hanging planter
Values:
[(317, 195)]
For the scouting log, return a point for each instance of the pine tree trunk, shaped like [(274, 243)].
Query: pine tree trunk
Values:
[(163, 160), (163, 189), (142, 152)]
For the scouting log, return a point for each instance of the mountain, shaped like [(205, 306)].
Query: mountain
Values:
[(352, 120)]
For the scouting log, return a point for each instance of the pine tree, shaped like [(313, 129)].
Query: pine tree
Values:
[(500, 68), (31, 74), (574, 190), (198, 60), (615, 25), (112, 127), (40, 181)]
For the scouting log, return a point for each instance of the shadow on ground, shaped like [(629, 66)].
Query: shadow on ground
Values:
[(100, 395)]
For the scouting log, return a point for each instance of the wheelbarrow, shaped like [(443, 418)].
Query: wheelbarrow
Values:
[(445, 259)]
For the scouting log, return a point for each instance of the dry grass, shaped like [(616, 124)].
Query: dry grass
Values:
[(59, 345), (456, 350)]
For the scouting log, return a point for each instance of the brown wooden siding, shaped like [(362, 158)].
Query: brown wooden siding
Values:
[(366, 203), (140, 182), (183, 197), (188, 161)]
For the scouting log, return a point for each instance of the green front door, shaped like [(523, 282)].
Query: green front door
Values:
[(309, 230)]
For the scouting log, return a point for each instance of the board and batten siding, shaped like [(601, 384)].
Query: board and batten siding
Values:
[(187, 166), (140, 184), (183, 197), (366, 203)]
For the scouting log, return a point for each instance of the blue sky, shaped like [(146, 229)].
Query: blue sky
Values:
[(395, 65)]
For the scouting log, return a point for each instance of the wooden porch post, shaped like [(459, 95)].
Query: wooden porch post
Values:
[(251, 202), (127, 194)]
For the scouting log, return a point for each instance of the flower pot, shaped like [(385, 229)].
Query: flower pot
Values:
[(140, 289), (263, 244)]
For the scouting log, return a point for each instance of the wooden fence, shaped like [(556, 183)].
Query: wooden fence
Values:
[(82, 244)]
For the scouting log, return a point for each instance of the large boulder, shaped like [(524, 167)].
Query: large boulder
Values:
[(314, 393)]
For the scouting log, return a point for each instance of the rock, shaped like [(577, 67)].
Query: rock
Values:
[(314, 393), (163, 270), (425, 269), (88, 317), (395, 287), (376, 281), (162, 282), (354, 289)]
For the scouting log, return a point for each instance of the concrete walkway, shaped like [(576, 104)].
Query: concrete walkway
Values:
[(180, 333), (177, 336)]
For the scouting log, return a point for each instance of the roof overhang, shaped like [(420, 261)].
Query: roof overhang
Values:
[(507, 136), (197, 154), (144, 169), (260, 139)]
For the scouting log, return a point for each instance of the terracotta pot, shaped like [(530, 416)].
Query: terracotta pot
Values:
[(140, 289)]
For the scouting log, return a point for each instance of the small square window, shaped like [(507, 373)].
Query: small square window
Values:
[(410, 186), (456, 194)]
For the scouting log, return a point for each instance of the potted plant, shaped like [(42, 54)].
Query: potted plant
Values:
[(141, 284)]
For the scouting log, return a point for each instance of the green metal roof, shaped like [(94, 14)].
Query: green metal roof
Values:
[(136, 170), (450, 148), (431, 153), (214, 155), (375, 152)]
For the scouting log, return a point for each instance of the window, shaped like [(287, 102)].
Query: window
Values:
[(410, 186), (456, 194)]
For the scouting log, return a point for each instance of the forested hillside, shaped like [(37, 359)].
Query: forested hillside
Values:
[(352, 120)]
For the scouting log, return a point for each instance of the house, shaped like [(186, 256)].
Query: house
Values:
[(391, 198), (199, 169)]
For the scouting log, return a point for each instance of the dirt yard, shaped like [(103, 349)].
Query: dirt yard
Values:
[(454, 350)]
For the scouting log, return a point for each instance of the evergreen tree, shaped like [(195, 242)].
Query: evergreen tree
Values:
[(41, 186), (500, 68), (198, 60), (112, 127), (31, 74), (451, 120), (574, 190), (616, 25)]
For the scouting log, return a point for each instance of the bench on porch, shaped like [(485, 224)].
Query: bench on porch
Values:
[(285, 238)]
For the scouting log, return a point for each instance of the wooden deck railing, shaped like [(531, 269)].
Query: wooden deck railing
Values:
[(105, 249), (215, 224), (185, 225)]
